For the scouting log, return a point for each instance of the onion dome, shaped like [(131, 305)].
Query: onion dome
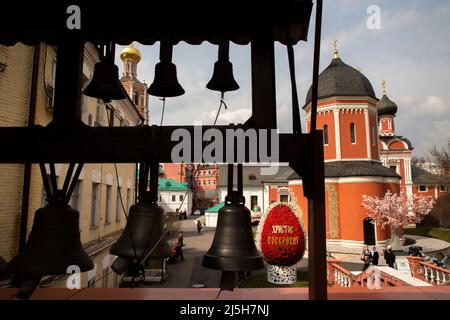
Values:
[(386, 105), (130, 53), (340, 79)]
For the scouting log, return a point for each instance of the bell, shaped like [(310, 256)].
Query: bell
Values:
[(120, 265), (53, 245), (166, 82), (105, 83), (144, 228), (233, 247), (144, 235), (222, 79)]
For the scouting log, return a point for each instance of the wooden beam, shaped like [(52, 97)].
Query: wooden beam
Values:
[(121, 144)]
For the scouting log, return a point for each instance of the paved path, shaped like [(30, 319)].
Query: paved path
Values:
[(190, 272), (351, 256), (429, 244), (185, 274)]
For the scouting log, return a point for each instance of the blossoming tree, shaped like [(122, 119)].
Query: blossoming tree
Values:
[(395, 210)]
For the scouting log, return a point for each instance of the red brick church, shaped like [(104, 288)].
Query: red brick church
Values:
[(363, 155)]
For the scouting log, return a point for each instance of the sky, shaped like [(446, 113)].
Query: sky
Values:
[(411, 51)]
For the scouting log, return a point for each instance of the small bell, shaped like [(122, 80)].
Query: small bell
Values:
[(105, 83), (166, 82), (222, 79)]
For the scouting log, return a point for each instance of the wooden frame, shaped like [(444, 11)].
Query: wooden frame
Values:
[(67, 140)]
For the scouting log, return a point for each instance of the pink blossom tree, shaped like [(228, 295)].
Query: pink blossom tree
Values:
[(395, 210)]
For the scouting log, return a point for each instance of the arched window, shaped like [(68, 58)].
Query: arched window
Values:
[(373, 136), (352, 133), (325, 134)]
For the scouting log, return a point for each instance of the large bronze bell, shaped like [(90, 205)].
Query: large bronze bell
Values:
[(144, 234), (233, 247), (166, 82), (222, 79), (105, 83), (53, 245)]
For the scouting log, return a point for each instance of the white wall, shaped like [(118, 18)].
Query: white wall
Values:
[(165, 201), (248, 192), (211, 219)]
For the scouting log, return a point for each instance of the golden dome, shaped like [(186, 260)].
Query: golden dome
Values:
[(130, 53)]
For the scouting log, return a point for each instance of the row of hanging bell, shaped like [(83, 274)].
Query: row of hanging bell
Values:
[(54, 242), (105, 83), (144, 234), (233, 248), (166, 82)]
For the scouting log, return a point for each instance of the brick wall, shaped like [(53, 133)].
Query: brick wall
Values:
[(15, 85)]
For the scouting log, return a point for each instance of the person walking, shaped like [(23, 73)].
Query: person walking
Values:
[(180, 239), (375, 256), (389, 256), (179, 246), (199, 226), (366, 257)]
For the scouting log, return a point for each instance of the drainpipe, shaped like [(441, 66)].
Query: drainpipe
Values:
[(136, 179), (27, 168)]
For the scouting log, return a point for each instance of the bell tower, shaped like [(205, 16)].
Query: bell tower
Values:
[(137, 90), (387, 110)]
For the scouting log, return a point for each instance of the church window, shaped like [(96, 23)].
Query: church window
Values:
[(136, 98), (352, 133), (325, 134), (442, 188), (373, 136), (423, 188)]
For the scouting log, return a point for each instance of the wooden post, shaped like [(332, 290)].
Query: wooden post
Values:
[(264, 113), (69, 68), (317, 261)]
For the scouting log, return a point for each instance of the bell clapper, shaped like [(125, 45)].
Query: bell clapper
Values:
[(222, 102), (163, 99)]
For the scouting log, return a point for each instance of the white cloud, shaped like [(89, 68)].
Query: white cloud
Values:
[(424, 120), (411, 52)]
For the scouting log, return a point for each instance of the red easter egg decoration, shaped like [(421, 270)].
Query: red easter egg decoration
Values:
[(282, 237)]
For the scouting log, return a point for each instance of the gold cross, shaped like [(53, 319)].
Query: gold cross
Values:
[(383, 86), (335, 52)]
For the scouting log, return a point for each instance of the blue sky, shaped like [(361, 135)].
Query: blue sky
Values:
[(411, 52)]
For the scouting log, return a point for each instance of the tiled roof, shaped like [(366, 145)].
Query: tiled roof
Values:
[(386, 106), (340, 79), (354, 169), (423, 177), (171, 185), (215, 208)]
